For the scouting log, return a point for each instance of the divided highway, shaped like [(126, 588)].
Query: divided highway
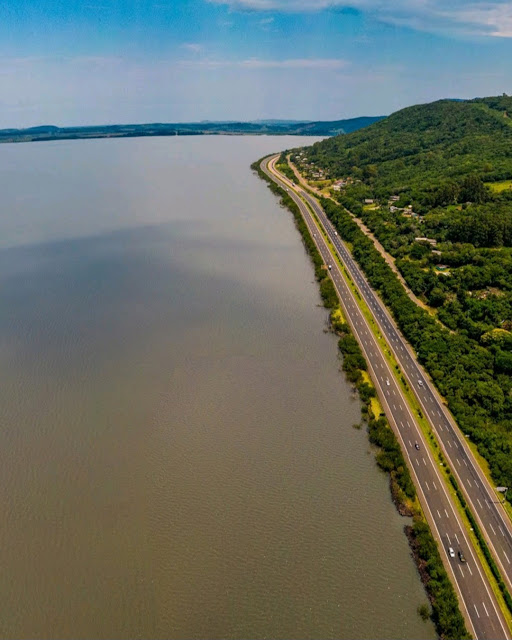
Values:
[(490, 514), (478, 603)]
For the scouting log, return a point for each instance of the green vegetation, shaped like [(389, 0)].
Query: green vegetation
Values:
[(430, 171), (497, 187), (283, 166), (424, 612), (445, 613)]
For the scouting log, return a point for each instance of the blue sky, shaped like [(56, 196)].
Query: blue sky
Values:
[(74, 62)]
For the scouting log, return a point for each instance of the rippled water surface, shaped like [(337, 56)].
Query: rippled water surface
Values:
[(176, 443)]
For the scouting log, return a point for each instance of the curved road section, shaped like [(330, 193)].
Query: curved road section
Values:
[(478, 603)]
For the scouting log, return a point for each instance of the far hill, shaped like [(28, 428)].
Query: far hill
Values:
[(263, 127)]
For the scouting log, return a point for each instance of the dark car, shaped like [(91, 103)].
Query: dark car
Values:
[(461, 556), (417, 446)]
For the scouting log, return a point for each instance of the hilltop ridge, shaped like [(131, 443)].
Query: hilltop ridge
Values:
[(443, 139)]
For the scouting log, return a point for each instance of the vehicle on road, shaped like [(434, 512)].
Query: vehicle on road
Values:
[(330, 267), (420, 383), (461, 556), (451, 552), (335, 233), (416, 446), (387, 381)]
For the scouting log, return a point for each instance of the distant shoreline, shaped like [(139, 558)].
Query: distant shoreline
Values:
[(278, 127)]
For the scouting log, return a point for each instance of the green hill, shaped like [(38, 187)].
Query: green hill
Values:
[(419, 145), (434, 184)]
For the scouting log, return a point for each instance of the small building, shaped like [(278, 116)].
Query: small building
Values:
[(429, 241), (336, 187), (394, 198), (368, 201), (436, 252), (393, 209), (442, 267)]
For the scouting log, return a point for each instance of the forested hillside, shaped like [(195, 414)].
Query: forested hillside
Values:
[(434, 183)]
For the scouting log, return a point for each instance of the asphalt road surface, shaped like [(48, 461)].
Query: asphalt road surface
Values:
[(482, 613), (483, 500)]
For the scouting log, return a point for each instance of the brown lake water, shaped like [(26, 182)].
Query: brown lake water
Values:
[(177, 457)]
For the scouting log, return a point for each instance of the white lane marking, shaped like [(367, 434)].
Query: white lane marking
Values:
[(424, 462), (410, 443), (476, 610), (448, 538), (468, 482), (465, 463), (506, 556), (469, 569), (417, 462), (488, 505), (457, 461), (476, 484), (501, 531), (434, 484), (483, 603), (441, 427), (461, 570), (449, 444), (456, 538), (438, 513), (446, 513), (426, 484), (490, 524), (478, 500)]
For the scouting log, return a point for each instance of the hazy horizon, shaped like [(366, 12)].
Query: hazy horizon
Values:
[(147, 61)]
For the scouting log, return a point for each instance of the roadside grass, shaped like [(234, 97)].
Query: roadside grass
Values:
[(498, 187), (375, 404), (484, 466), (424, 424)]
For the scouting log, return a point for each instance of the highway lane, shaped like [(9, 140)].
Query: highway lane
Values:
[(481, 609), (484, 504)]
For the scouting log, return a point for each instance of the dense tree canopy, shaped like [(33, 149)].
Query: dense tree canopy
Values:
[(439, 181)]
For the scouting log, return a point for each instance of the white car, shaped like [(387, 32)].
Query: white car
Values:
[(330, 267), (387, 381), (451, 552), (335, 233), (420, 383)]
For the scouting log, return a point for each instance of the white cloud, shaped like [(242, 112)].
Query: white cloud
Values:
[(194, 47), (326, 64), (481, 18)]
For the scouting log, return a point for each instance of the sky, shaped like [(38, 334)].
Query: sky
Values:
[(80, 62)]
